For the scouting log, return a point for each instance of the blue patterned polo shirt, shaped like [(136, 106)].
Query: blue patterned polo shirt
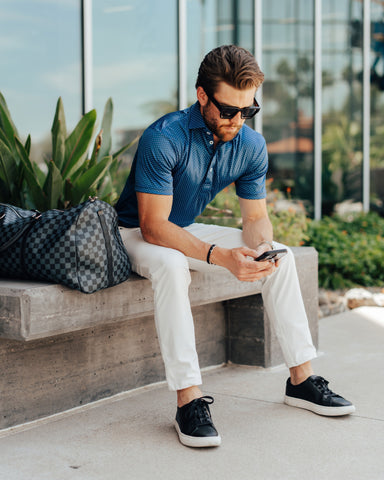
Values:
[(176, 156)]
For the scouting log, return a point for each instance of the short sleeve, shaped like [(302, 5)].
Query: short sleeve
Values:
[(156, 159), (251, 185)]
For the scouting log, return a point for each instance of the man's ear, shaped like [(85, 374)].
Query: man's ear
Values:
[(202, 97)]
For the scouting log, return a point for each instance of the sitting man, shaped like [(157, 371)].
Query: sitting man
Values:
[(183, 160)]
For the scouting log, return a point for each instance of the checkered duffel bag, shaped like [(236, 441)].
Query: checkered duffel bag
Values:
[(80, 247)]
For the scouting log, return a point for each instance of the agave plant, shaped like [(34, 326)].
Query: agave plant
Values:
[(70, 176), (11, 167)]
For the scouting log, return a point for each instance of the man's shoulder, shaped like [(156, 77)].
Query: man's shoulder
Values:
[(251, 135), (172, 126), (251, 139)]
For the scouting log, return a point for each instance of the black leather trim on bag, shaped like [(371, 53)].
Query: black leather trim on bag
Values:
[(107, 238), (80, 247)]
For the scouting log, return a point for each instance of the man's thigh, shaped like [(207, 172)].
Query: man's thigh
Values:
[(146, 257)]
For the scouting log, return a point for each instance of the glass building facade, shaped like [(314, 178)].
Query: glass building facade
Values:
[(322, 99)]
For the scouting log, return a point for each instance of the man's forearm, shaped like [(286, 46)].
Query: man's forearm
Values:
[(167, 234), (236, 260), (257, 231)]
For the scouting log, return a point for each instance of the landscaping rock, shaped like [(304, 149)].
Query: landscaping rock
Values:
[(358, 297), (332, 302), (379, 299)]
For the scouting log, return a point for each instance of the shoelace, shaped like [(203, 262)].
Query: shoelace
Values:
[(322, 385), (199, 413)]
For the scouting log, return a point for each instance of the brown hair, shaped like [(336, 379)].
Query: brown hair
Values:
[(230, 64)]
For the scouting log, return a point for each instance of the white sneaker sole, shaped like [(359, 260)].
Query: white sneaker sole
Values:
[(197, 441), (319, 409)]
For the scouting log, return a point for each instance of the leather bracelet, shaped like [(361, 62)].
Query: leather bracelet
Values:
[(266, 241), (209, 253)]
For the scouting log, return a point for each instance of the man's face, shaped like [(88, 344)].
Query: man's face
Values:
[(224, 129)]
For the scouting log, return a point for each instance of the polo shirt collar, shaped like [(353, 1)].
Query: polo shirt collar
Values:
[(195, 119)]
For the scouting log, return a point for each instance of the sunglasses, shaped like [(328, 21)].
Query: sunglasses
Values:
[(227, 111)]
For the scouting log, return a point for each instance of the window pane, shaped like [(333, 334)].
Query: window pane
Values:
[(377, 107), (135, 61), (342, 103), (288, 96), (40, 61), (213, 23)]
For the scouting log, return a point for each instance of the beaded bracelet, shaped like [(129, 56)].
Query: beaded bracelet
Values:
[(209, 253)]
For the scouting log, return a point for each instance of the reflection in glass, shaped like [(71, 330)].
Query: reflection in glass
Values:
[(342, 103), (377, 107), (135, 61), (212, 23), (40, 61), (288, 96)]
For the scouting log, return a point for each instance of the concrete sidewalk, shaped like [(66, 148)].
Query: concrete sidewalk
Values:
[(132, 437)]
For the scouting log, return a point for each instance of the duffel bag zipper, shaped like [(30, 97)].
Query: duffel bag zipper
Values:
[(108, 246)]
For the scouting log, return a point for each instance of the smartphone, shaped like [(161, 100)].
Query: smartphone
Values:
[(271, 255)]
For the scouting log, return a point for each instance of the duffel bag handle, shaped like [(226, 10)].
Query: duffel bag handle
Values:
[(20, 233)]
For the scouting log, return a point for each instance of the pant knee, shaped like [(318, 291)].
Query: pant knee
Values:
[(172, 266)]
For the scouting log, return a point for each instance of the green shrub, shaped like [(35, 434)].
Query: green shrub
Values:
[(223, 210), (289, 226), (351, 250)]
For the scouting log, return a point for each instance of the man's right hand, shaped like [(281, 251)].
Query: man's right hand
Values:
[(241, 263)]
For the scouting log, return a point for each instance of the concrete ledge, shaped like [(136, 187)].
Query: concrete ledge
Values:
[(60, 348), (30, 311)]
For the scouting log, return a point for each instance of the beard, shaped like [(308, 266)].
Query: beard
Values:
[(224, 132)]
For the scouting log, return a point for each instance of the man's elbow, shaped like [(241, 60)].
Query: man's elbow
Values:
[(146, 232), (150, 232)]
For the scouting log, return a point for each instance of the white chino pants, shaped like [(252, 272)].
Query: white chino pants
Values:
[(168, 270)]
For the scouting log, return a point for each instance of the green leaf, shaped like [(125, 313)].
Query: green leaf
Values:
[(53, 186), (6, 123), (6, 140), (35, 190), (77, 144), (96, 148), (59, 133), (23, 155), (8, 166), (106, 125), (40, 175), (27, 145), (84, 183)]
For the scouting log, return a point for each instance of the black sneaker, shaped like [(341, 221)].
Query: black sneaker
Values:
[(314, 395), (194, 424)]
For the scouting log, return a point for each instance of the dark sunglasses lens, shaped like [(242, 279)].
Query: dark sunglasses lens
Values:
[(228, 112), (249, 112)]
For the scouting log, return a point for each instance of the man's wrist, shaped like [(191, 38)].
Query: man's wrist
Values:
[(209, 254), (268, 242), (218, 255)]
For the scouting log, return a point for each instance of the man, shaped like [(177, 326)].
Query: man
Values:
[(183, 160)]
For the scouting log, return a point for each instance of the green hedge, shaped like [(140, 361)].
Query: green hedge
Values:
[(289, 226), (351, 250)]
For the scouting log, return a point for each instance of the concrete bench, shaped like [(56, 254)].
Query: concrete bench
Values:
[(60, 348)]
